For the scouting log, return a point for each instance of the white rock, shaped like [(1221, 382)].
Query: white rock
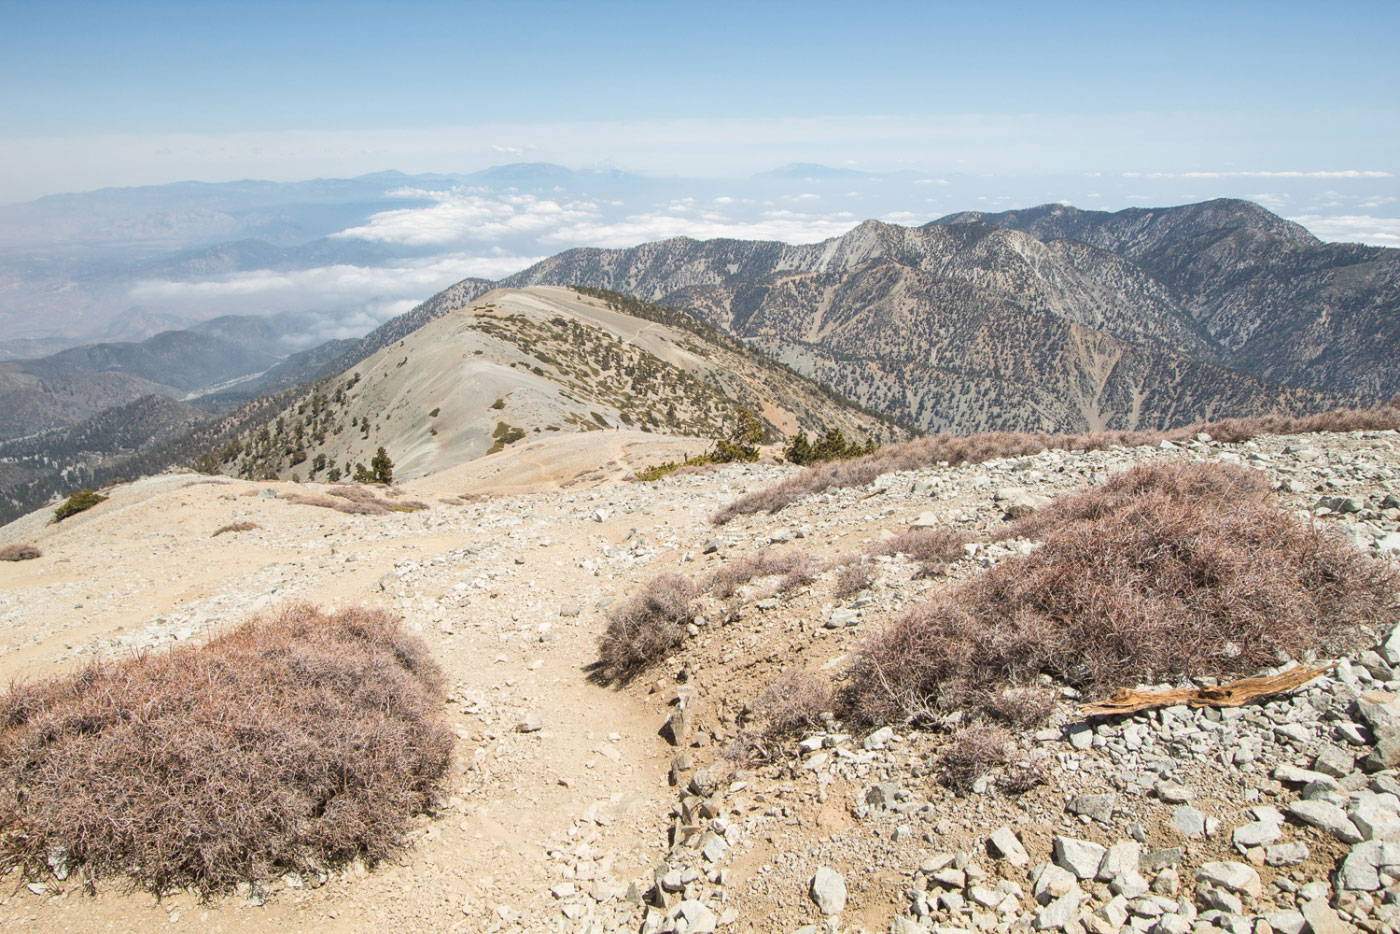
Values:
[(1005, 845), (1326, 817), (1237, 877), (828, 891), (1081, 857)]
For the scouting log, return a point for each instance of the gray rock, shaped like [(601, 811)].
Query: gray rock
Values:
[(676, 729), (1158, 860), (1380, 710), (699, 918), (1122, 857), (1286, 922), (1258, 833), (1173, 793), (1060, 912), (1322, 919), (1095, 807), (1361, 870), (828, 891), (1081, 857), (1286, 854), (1334, 762), (712, 546), (1390, 648), (1188, 821), (1005, 845), (1236, 877), (529, 723), (1326, 817)]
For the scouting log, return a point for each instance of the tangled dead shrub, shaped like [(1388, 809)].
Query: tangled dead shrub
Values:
[(1154, 580), (796, 567), (235, 527), (795, 701), (20, 552), (297, 741), (973, 753), (854, 576), (648, 627), (975, 449), (933, 549)]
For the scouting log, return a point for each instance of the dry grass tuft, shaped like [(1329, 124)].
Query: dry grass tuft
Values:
[(975, 449), (20, 552), (296, 742), (648, 627), (854, 576), (1158, 575), (235, 527), (933, 549), (973, 753), (795, 701), (796, 567)]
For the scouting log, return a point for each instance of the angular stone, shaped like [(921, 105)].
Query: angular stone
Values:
[(1322, 919), (1081, 857), (1236, 877), (1005, 845), (1326, 817), (1158, 860), (1095, 807), (1173, 792), (1286, 854), (1052, 882), (1188, 821), (1334, 762), (1390, 648), (1122, 857), (529, 723), (699, 918), (1258, 833), (1286, 922), (1060, 912), (1380, 710), (828, 891)]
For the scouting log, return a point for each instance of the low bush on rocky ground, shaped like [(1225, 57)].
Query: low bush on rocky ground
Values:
[(972, 753), (974, 449), (853, 576), (80, 501), (296, 742), (235, 527), (797, 568), (1165, 572), (648, 627), (20, 552), (933, 549)]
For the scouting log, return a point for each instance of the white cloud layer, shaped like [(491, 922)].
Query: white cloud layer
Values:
[(467, 215), (1353, 228)]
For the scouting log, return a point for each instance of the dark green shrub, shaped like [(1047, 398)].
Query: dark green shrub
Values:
[(76, 503)]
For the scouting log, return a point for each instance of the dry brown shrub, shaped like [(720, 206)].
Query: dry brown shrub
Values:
[(797, 568), (235, 527), (973, 753), (1208, 485), (1024, 776), (1022, 707), (853, 577), (933, 549), (795, 701), (350, 507), (973, 449), (20, 552), (648, 627), (296, 742), (1163, 586), (372, 504)]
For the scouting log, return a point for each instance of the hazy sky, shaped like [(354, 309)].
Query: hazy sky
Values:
[(95, 94)]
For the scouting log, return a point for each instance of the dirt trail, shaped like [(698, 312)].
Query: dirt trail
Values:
[(506, 595)]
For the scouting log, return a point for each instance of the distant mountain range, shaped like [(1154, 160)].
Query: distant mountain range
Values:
[(1049, 319), (1138, 319)]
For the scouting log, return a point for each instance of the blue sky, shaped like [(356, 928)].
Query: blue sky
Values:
[(101, 94)]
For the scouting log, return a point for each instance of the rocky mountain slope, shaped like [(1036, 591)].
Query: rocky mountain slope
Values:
[(513, 364), (574, 806), (967, 325), (1280, 304)]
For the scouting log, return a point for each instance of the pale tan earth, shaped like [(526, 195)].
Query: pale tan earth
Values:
[(109, 576), (504, 577)]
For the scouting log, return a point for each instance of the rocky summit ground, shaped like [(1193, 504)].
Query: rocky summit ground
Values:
[(570, 808)]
